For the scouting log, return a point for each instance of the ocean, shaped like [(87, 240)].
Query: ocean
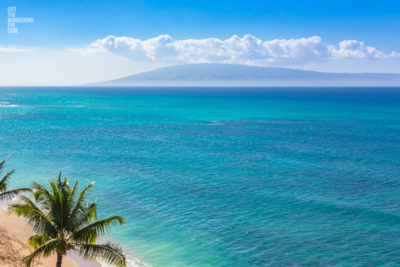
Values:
[(222, 177)]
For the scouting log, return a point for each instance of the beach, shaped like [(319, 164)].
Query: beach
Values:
[(14, 235)]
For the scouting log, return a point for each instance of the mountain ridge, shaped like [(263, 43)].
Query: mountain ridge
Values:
[(231, 74)]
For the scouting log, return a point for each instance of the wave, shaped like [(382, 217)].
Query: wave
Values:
[(131, 262), (216, 123), (6, 104)]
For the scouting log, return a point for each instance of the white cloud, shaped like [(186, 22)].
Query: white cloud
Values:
[(356, 49), (12, 49), (243, 50)]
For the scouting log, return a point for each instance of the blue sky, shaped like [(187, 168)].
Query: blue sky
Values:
[(63, 25)]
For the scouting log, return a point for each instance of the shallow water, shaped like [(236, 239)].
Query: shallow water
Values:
[(264, 177)]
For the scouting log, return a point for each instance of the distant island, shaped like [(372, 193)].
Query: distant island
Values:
[(243, 75)]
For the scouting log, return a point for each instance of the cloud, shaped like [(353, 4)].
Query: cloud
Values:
[(356, 49), (12, 49), (242, 50)]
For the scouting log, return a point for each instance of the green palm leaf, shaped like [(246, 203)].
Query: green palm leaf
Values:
[(4, 180), (36, 241), (110, 253), (37, 218), (4, 194), (7, 195), (91, 231), (44, 250)]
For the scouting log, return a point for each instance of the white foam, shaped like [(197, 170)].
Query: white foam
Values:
[(131, 262), (216, 123), (6, 104)]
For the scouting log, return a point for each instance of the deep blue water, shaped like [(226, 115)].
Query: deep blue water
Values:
[(267, 177)]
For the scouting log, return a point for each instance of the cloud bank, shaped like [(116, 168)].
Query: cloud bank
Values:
[(12, 49), (241, 50)]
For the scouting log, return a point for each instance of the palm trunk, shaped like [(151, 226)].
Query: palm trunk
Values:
[(59, 260)]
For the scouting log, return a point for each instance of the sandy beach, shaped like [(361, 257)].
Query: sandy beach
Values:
[(14, 234)]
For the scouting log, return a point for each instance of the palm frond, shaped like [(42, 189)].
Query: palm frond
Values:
[(6, 195), (35, 216), (79, 202), (44, 250), (37, 241), (110, 253), (41, 194), (72, 195), (2, 165), (90, 232), (82, 216), (4, 180)]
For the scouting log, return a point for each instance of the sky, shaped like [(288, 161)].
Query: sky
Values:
[(77, 42)]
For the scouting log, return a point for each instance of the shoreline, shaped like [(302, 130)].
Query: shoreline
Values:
[(14, 235)]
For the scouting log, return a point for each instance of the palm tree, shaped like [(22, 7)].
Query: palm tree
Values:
[(63, 221), (4, 193)]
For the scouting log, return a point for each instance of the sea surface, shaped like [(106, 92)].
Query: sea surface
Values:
[(222, 177)]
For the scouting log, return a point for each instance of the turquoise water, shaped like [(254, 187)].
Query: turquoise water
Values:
[(260, 178)]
